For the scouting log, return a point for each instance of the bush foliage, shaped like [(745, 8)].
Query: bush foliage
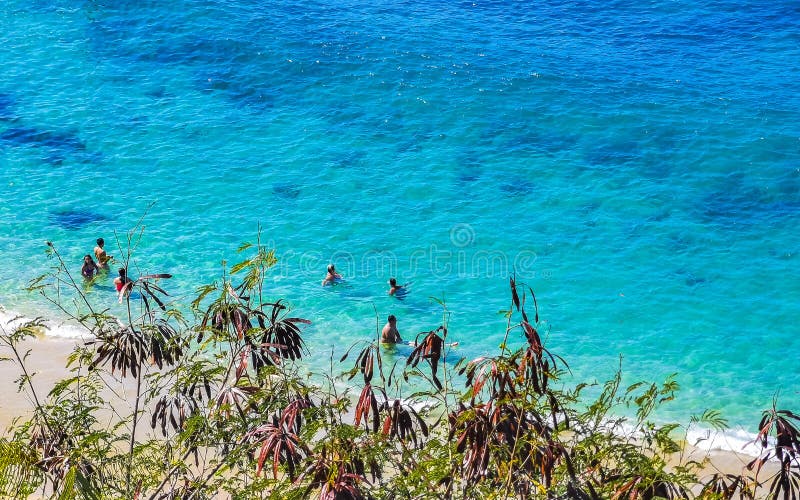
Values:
[(158, 406)]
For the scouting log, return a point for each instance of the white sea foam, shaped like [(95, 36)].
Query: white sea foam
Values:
[(730, 440), (736, 440), (11, 319)]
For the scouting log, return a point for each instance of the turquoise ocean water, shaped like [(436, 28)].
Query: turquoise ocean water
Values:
[(637, 163)]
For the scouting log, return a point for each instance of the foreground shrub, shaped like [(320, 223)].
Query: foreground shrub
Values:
[(216, 407)]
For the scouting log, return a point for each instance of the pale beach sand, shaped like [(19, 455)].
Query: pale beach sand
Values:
[(47, 363)]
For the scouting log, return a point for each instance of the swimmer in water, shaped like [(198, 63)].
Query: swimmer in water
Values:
[(332, 276), (390, 334), (398, 291), (89, 268)]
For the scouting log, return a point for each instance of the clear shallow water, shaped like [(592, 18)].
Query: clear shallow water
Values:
[(638, 165)]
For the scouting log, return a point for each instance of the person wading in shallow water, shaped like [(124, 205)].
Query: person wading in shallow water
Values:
[(332, 276), (120, 283), (100, 254), (390, 335), (89, 268)]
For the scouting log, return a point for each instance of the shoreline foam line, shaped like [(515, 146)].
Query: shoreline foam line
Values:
[(52, 328), (734, 440)]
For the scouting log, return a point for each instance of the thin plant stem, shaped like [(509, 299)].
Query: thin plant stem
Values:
[(28, 378)]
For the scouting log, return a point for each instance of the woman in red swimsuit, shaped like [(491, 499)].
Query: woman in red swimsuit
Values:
[(121, 280)]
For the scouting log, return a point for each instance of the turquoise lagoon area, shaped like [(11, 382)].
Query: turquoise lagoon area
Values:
[(637, 164)]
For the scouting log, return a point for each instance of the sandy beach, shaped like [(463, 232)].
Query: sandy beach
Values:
[(46, 362)]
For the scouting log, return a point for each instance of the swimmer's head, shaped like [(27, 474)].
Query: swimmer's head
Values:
[(87, 258), (122, 271), (393, 282), (331, 268), (100, 242), (392, 319)]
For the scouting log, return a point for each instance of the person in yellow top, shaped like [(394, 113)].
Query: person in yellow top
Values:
[(100, 254)]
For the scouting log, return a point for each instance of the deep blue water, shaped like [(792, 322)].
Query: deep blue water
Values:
[(638, 164)]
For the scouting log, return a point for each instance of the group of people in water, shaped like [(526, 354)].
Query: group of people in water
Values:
[(389, 334), (92, 269)]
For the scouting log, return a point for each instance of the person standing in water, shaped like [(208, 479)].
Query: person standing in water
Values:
[(390, 334), (332, 276), (121, 283), (100, 254), (89, 268)]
